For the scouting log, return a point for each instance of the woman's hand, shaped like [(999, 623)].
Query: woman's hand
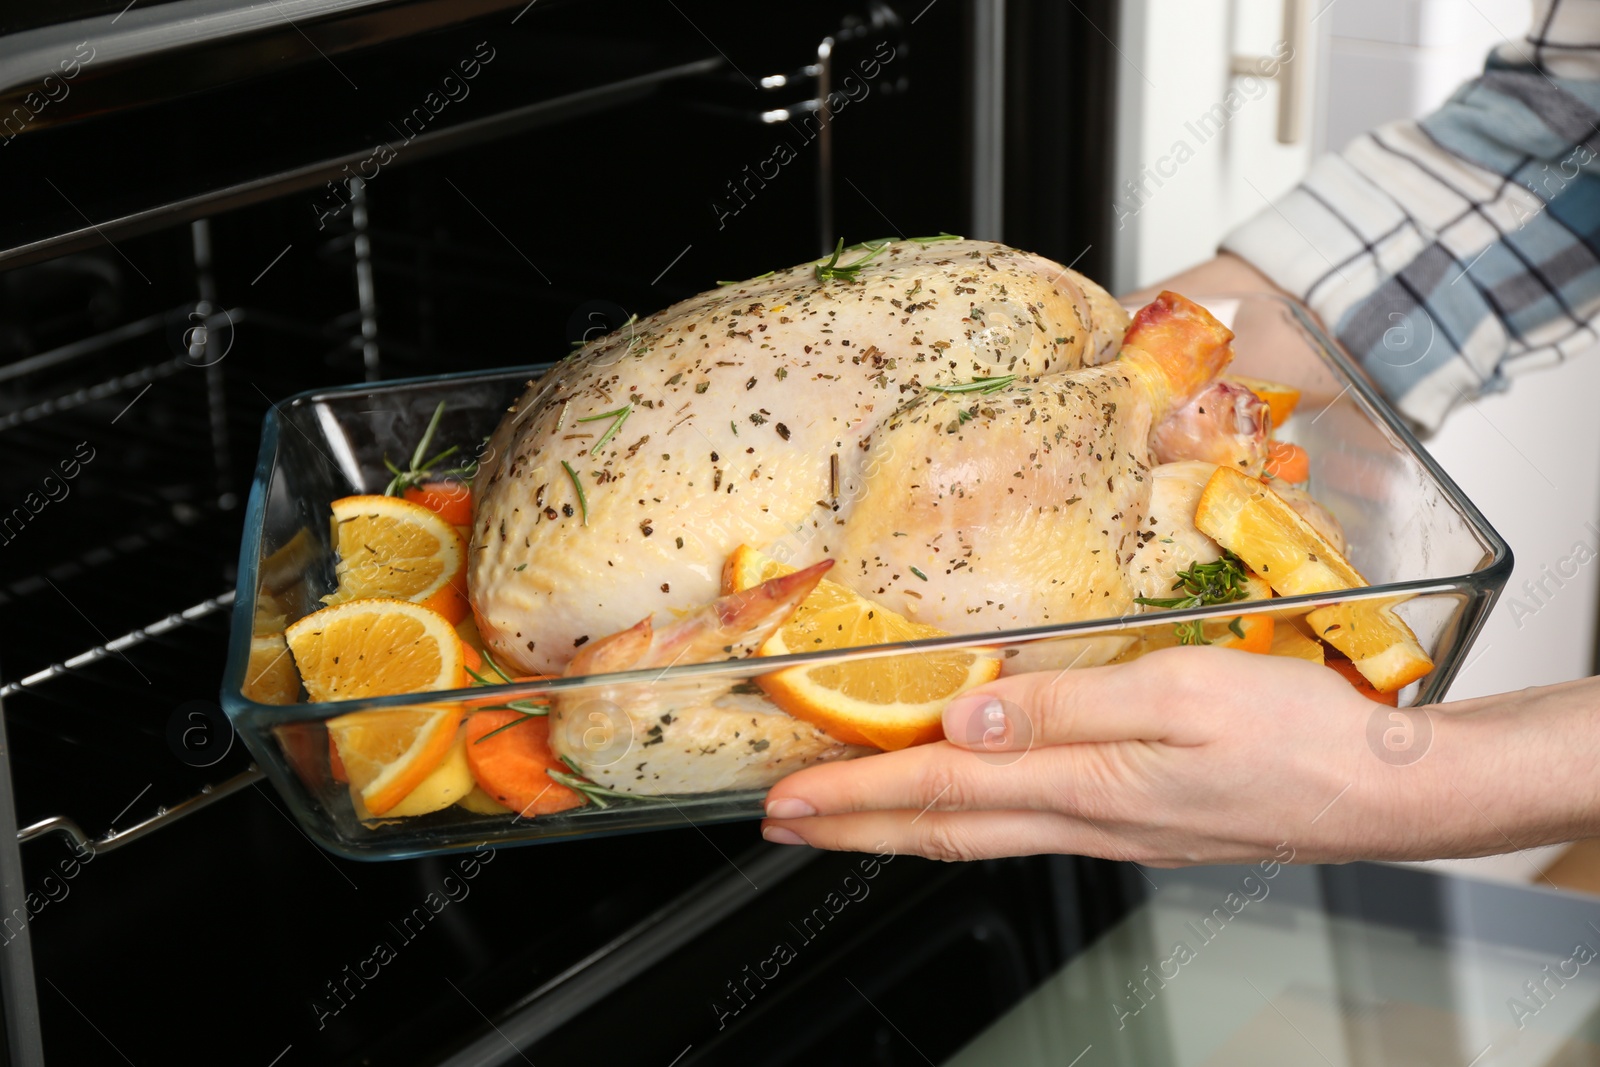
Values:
[(1187, 755)]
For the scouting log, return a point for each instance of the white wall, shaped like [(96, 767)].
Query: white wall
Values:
[(1390, 59)]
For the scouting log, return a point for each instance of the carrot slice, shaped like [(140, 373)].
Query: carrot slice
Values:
[(1288, 462), (451, 501), (511, 765), (1348, 672), (1257, 631)]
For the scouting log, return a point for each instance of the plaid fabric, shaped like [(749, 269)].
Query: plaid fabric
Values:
[(1451, 252)]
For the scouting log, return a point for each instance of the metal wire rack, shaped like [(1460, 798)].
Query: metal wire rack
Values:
[(161, 424), (172, 413)]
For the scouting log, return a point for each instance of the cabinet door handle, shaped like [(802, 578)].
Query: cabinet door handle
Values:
[(1289, 72)]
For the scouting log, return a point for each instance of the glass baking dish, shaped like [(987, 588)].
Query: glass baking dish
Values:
[(1411, 532)]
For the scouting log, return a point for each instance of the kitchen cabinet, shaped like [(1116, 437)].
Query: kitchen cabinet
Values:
[(1198, 124)]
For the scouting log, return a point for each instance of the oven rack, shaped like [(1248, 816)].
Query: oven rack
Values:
[(93, 378), (209, 616), (164, 406)]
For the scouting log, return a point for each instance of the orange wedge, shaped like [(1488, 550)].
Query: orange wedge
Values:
[(1256, 524), (1347, 670), (387, 754), (1381, 646), (449, 781), (269, 676), (889, 702), (389, 547), (272, 615), (1280, 399), (1288, 639), (369, 648)]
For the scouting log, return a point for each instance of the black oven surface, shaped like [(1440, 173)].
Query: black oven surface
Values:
[(200, 227)]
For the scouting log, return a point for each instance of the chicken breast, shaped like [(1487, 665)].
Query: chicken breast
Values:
[(1025, 505), (619, 482)]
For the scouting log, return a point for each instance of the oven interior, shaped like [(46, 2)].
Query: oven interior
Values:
[(605, 159)]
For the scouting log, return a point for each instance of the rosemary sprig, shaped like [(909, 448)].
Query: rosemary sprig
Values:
[(1218, 582), (977, 385), (495, 667), (1203, 584), (587, 340), (847, 271), (422, 469), (879, 242), (619, 414), (520, 706), (527, 708), (476, 677), (481, 680), (530, 707), (598, 795), (583, 503)]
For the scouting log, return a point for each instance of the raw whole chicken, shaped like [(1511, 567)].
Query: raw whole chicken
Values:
[(942, 422), (946, 424), (759, 413)]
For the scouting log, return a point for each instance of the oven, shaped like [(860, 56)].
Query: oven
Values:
[(213, 204)]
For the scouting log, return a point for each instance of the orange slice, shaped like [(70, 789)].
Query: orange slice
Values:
[(1280, 399), (272, 615), (1289, 640), (269, 676), (451, 501), (388, 754), (1256, 524), (369, 648), (389, 547), (888, 702), (449, 781), (1347, 670)]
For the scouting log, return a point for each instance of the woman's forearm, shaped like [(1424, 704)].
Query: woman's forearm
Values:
[(1224, 274), (1513, 771)]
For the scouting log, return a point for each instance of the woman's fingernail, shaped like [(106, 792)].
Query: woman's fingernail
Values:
[(789, 808), (978, 722), (780, 836)]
